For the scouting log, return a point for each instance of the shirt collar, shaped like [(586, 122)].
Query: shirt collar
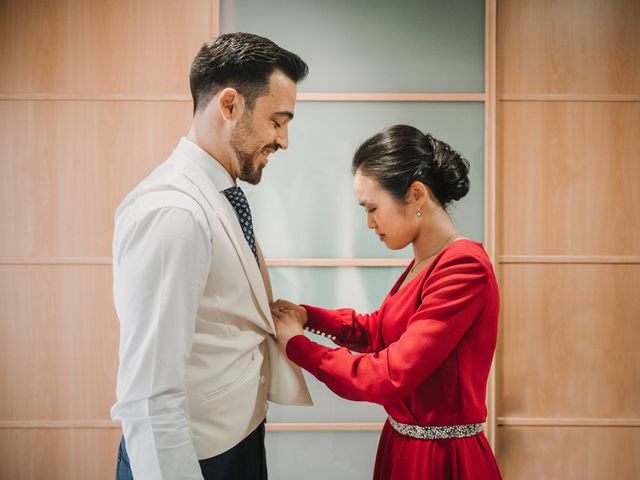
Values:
[(214, 170)]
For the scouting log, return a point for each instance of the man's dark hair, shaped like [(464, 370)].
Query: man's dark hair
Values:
[(242, 61)]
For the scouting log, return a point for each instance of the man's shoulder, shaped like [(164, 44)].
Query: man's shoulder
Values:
[(150, 199), (164, 187), (162, 198)]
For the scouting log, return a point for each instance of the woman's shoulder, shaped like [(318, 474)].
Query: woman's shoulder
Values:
[(465, 251), (463, 262), (465, 247)]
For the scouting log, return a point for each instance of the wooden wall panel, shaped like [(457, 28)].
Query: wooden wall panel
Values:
[(71, 164), (568, 382), (60, 343), (568, 345), (569, 46), (585, 453), (69, 454), (97, 47), (569, 175), (93, 95)]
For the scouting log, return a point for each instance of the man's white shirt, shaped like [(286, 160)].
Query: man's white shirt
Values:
[(161, 261)]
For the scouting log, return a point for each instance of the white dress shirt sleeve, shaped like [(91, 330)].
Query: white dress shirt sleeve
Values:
[(161, 260)]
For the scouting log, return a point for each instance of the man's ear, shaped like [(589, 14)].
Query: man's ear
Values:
[(230, 103)]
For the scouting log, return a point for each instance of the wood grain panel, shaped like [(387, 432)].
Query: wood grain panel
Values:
[(60, 343), (569, 46), (568, 341), (58, 454), (569, 178), (71, 164), (569, 453), (490, 205), (93, 46)]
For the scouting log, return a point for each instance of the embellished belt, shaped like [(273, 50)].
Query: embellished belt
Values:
[(436, 432)]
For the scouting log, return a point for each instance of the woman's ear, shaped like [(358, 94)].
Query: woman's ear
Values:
[(421, 197), (417, 194), (229, 103)]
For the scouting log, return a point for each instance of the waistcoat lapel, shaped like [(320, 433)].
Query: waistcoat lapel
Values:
[(227, 217)]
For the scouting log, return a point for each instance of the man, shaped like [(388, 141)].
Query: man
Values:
[(198, 360)]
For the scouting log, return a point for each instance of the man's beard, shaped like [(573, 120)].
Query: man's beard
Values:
[(240, 136)]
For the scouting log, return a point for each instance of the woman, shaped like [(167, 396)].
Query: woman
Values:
[(425, 354)]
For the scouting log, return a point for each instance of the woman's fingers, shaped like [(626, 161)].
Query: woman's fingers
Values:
[(279, 303), (282, 314)]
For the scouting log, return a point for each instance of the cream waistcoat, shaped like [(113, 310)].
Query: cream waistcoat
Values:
[(235, 364)]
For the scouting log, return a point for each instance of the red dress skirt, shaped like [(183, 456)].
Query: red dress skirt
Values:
[(404, 458)]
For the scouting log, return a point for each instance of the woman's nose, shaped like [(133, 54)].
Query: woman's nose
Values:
[(371, 223)]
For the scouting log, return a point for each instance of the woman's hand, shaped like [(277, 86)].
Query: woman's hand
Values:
[(289, 320), (284, 305)]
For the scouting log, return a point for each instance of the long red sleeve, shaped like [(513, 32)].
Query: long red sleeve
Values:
[(355, 331), (452, 297)]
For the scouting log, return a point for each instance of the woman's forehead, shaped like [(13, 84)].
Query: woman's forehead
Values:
[(367, 189)]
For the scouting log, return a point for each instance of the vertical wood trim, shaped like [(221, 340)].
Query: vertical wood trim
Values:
[(490, 182), (215, 18)]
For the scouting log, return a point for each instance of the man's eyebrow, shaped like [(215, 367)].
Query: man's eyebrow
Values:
[(286, 113)]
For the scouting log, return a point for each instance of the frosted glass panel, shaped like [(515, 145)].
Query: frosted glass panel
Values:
[(305, 205), (321, 455), (362, 289), (373, 45), (327, 406)]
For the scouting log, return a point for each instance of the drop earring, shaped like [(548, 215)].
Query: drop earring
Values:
[(418, 213)]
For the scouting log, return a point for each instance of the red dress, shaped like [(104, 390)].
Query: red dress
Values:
[(425, 356)]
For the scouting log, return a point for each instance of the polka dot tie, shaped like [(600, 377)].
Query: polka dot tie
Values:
[(238, 201)]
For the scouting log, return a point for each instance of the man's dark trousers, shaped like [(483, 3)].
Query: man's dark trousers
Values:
[(246, 461)]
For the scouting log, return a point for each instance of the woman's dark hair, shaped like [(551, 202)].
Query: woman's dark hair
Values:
[(243, 61), (399, 155)]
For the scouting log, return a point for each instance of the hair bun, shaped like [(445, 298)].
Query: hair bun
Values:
[(448, 171)]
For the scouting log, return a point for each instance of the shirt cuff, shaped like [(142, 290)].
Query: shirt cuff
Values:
[(305, 353)]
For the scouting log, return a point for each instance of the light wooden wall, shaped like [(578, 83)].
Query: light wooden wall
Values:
[(93, 95), (568, 365)]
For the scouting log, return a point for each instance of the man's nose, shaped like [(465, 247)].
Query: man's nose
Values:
[(282, 137)]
